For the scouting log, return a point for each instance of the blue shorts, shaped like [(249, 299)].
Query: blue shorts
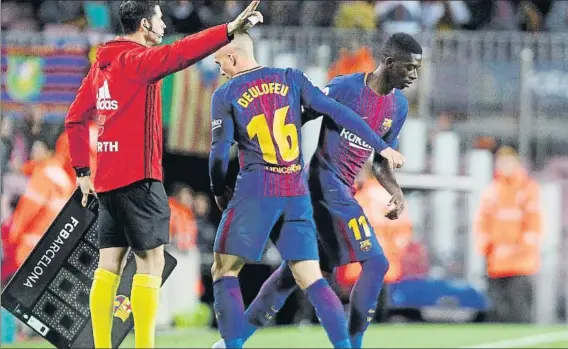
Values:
[(345, 235), (248, 223)]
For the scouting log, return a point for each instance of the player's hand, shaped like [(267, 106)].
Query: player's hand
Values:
[(394, 158), (246, 20), (87, 188), (223, 200), (395, 206)]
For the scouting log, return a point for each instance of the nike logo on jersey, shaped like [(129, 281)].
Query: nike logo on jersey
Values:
[(355, 141), (104, 100)]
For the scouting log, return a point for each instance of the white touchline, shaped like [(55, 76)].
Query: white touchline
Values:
[(523, 342)]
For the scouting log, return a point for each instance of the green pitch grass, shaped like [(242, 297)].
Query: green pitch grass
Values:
[(378, 336)]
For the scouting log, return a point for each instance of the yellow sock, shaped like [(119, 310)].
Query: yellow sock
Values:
[(101, 301), (144, 299)]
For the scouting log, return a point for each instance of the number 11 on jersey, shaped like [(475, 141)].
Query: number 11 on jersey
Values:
[(354, 224)]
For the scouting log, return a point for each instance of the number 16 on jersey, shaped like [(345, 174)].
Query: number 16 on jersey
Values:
[(286, 136)]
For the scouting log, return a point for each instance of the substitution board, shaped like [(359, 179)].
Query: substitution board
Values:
[(50, 291)]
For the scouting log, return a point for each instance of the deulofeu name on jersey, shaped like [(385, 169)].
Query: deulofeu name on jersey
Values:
[(261, 90), (107, 104), (355, 141), (107, 146)]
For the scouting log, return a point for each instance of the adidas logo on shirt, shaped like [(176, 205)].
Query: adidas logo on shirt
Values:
[(104, 101)]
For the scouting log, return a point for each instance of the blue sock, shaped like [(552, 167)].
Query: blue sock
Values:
[(365, 296), (270, 299), (229, 310), (329, 311), (357, 340)]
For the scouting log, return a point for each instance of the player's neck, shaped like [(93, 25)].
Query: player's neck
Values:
[(378, 82), (247, 65)]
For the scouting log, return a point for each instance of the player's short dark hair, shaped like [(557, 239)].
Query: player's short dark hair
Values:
[(400, 45), (131, 13)]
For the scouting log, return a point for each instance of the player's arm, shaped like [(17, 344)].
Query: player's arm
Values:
[(309, 115), (385, 176), (333, 90), (222, 136), (154, 63), (381, 169), (314, 98)]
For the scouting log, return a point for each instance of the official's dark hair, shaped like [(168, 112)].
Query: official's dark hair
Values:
[(400, 45), (131, 13)]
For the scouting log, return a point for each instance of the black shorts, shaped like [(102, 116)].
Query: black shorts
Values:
[(135, 216)]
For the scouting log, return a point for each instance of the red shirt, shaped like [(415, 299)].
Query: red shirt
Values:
[(122, 92)]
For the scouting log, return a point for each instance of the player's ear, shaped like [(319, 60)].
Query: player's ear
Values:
[(389, 62), (232, 59)]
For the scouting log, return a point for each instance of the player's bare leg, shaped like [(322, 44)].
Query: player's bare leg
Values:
[(305, 272), (145, 294), (228, 305), (329, 309), (103, 292), (226, 265)]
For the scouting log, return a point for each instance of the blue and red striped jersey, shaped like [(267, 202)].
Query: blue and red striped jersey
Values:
[(261, 110), (342, 152)]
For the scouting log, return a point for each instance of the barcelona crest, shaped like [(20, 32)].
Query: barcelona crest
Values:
[(365, 245), (122, 307), (386, 125)]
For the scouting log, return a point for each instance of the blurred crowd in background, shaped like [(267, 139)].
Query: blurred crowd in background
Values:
[(42, 72), (190, 16)]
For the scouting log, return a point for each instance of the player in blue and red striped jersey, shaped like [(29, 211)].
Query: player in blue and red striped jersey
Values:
[(344, 232), (261, 109)]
